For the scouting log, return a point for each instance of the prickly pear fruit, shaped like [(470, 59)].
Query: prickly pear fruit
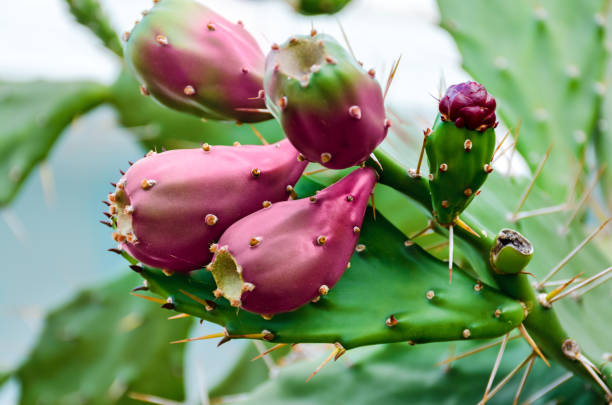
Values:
[(460, 148), (314, 7), (511, 252), (330, 108), (284, 256), (192, 59), (171, 206)]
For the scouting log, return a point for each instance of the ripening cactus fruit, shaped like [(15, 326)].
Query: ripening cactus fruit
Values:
[(284, 256), (191, 59), (169, 207), (331, 109), (314, 7), (460, 148)]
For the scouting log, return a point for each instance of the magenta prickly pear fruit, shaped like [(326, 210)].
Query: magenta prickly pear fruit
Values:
[(282, 257), (169, 207), (460, 149), (468, 105), (331, 109), (192, 59)]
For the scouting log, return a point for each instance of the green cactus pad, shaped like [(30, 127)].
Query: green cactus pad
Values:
[(386, 279), (459, 162)]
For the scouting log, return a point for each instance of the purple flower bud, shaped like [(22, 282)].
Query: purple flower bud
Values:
[(468, 105)]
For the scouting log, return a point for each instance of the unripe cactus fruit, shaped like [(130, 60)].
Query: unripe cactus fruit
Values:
[(282, 257), (171, 206), (331, 109), (314, 7), (191, 59), (511, 252), (460, 148)]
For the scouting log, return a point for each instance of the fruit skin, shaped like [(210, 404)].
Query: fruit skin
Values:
[(314, 7), (282, 257), (460, 149), (196, 194), (330, 108), (191, 59)]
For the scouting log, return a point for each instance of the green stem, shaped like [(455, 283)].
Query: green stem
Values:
[(542, 323)]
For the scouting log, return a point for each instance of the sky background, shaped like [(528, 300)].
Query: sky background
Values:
[(51, 242)]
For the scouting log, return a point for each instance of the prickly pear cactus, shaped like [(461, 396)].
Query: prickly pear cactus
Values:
[(278, 265), (228, 240)]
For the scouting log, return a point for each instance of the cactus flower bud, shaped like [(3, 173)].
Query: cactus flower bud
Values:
[(468, 105)]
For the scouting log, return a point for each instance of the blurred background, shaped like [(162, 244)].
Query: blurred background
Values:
[(50, 240)]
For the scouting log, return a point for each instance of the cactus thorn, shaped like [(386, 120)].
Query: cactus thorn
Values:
[(113, 250), (275, 47), (430, 294), (372, 73), (466, 333), (356, 229), (337, 352), (126, 36), (255, 172), (205, 337), (360, 248), (500, 354), (255, 241), (467, 192), (206, 147), (488, 168), (443, 167), (531, 343), (146, 297), (270, 350), (210, 26), (497, 313), (321, 240), (325, 157), (179, 316)]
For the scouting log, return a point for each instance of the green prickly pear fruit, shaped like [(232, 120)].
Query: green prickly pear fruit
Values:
[(314, 7), (511, 252), (460, 148), (191, 59)]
